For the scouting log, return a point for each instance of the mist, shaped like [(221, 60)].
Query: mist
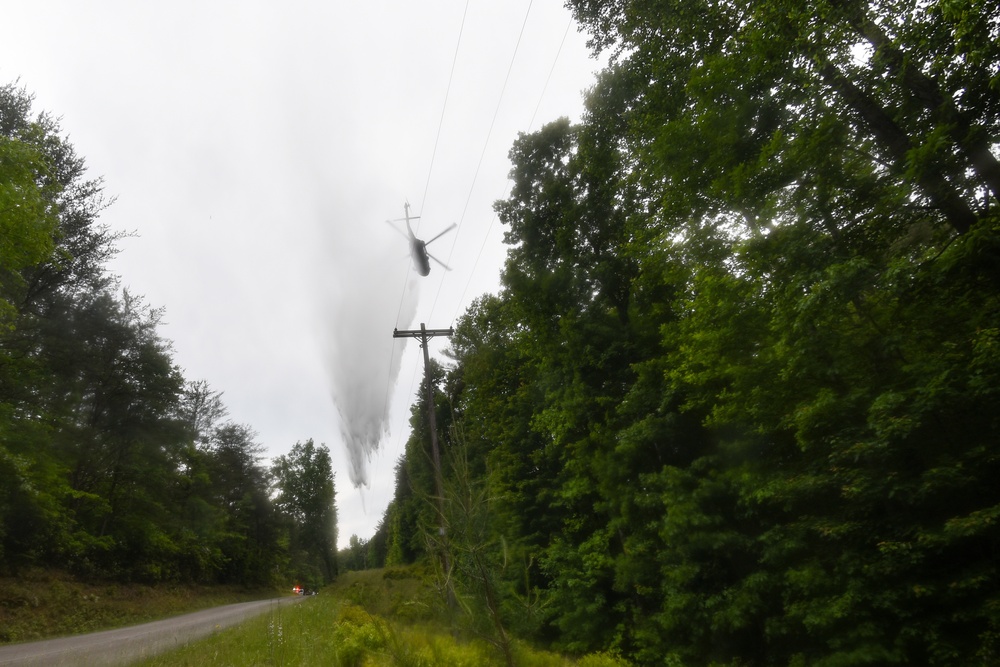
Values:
[(374, 292)]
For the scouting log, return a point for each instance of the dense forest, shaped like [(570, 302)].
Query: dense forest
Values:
[(735, 403), (112, 464), (737, 400)]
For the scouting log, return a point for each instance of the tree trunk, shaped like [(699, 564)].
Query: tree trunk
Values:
[(941, 193)]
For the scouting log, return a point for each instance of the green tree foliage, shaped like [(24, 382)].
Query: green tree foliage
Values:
[(240, 487), (306, 495), (735, 402), (28, 218), (354, 556), (111, 463), (201, 410), (414, 516), (82, 246), (50, 247), (733, 101), (472, 555)]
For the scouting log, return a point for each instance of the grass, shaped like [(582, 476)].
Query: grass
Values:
[(376, 618), (41, 604)]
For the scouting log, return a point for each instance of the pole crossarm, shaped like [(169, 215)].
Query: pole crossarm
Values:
[(423, 333)]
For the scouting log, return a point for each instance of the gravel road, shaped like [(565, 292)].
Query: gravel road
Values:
[(125, 645)]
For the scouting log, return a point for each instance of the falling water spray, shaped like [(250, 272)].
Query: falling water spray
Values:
[(374, 293)]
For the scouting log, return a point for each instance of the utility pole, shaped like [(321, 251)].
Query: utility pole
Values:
[(424, 334)]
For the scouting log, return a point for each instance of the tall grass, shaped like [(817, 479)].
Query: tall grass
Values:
[(368, 619), (40, 604)]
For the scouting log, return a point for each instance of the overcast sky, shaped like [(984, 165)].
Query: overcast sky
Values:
[(257, 148)]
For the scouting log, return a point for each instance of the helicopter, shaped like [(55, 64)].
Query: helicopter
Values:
[(418, 248)]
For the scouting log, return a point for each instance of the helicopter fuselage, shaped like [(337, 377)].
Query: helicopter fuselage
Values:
[(418, 247), (418, 251)]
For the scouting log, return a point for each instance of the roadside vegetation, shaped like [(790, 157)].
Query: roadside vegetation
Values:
[(378, 618), (43, 604)]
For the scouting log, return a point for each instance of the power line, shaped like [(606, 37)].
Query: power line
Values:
[(430, 171), (531, 124), (496, 112), (545, 86), (437, 139), (548, 78), (444, 107), (486, 143)]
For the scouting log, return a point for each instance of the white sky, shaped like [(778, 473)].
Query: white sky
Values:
[(256, 149)]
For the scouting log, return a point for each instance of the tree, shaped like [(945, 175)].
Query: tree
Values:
[(82, 246), (353, 557), (734, 401), (28, 218), (49, 241), (111, 464), (744, 301), (202, 409), (241, 489), (305, 483)]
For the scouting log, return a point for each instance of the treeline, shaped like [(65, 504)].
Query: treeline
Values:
[(737, 401), (112, 463)]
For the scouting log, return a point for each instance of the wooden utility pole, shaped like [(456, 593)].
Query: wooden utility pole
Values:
[(424, 334)]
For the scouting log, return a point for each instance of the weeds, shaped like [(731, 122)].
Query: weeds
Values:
[(39, 604), (353, 624), (276, 639)]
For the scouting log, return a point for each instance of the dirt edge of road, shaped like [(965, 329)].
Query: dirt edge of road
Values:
[(125, 645)]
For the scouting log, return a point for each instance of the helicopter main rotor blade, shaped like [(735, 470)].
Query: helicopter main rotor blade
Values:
[(397, 229), (453, 225), (446, 267)]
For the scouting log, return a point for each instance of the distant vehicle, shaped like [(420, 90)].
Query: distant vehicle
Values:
[(418, 248)]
